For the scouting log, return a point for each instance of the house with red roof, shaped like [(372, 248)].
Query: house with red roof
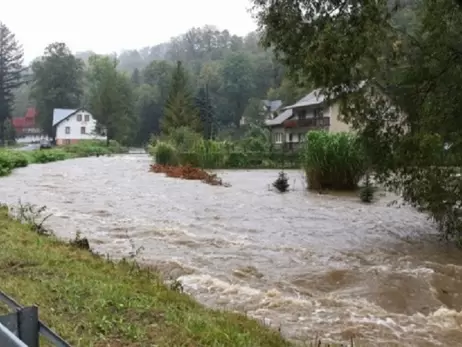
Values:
[(27, 128)]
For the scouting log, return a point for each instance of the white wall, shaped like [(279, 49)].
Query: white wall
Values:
[(75, 128)]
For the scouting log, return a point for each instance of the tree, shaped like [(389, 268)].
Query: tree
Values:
[(159, 74), (111, 99), (149, 110), (57, 83), (179, 108), (206, 112), (254, 113), (136, 77), (238, 83), (398, 84), (11, 68)]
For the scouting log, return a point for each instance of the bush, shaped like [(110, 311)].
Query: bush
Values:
[(165, 154), (90, 148), (236, 160), (184, 139), (333, 160), (282, 182), (17, 159), (48, 156), (10, 160)]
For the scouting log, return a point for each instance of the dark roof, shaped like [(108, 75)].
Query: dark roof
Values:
[(313, 99)]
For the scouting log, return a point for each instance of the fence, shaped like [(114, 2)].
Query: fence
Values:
[(23, 327)]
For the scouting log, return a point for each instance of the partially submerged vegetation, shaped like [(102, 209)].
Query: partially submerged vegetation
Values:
[(282, 182), (12, 159), (90, 301), (185, 147), (188, 172), (333, 161)]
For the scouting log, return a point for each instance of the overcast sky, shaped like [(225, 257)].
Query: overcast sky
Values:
[(105, 26)]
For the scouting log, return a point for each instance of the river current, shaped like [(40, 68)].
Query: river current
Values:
[(305, 263)]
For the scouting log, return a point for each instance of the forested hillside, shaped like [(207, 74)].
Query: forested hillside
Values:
[(235, 71)]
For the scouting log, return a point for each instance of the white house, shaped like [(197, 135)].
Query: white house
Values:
[(73, 126)]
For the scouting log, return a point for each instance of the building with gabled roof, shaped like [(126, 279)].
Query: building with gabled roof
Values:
[(74, 125)]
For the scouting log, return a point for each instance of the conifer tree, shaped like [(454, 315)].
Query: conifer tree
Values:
[(180, 109), (11, 68)]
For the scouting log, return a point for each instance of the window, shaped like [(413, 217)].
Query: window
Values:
[(82, 130), (79, 117), (68, 130), (87, 118), (278, 137)]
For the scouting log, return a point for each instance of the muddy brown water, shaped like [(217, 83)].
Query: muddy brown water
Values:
[(302, 262)]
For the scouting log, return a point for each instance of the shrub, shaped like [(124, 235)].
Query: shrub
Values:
[(333, 160), (5, 164), (282, 182), (184, 139), (236, 160), (90, 148), (48, 156), (165, 154), (17, 159)]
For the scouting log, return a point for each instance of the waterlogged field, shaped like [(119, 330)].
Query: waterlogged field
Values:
[(302, 262)]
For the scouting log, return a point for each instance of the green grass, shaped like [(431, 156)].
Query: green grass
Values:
[(12, 159), (90, 301)]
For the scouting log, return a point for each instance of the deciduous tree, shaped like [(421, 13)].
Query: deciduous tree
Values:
[(398, 82), (111, 99), (57, 83)]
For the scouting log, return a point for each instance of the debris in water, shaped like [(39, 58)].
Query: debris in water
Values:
[(188, 172)]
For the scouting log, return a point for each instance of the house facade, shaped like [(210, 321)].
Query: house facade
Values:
[(27, 129), (311, 112), (74, 125)]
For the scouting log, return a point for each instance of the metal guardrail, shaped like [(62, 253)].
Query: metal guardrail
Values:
[(23, 327), (8, 339)]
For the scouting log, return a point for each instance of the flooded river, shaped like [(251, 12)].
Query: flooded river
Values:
[(308, 264)]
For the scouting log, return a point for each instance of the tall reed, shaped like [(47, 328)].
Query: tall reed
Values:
[(333, 160)]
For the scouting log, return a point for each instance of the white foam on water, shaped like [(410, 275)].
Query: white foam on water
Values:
[(327, 315)]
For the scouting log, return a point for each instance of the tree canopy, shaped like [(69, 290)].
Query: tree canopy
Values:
[(396, 68), (57, 83)]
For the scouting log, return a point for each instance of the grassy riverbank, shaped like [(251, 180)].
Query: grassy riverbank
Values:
[(11, 159), (94, 302)]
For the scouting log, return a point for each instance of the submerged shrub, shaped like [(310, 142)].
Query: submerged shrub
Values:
[(49, 155), (89, 148), (333, 160), (165, 154), (282, 182)]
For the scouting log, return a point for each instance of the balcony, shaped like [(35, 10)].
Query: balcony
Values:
[(314, 123)]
